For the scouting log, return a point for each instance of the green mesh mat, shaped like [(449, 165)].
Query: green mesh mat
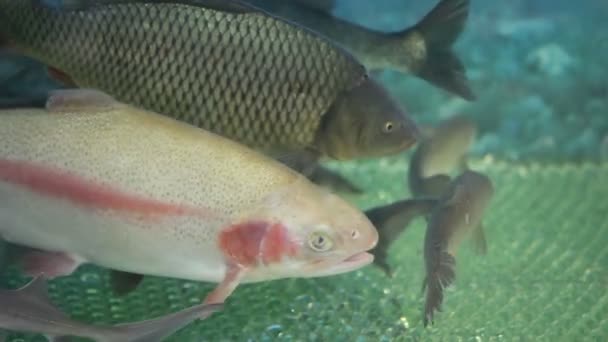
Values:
[(545, 277)]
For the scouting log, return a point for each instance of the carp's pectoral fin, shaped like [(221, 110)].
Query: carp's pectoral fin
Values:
[(304, 161), (80, 100), (123, 283), (333, 180), (234, 274), (479, 240), (49, 264), (61, 77)]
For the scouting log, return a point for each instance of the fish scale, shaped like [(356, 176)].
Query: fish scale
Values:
[(240, 69)]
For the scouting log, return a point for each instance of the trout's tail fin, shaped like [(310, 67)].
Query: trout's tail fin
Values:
[(439, 29)]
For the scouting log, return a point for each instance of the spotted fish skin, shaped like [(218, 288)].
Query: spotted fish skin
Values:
[(243, 74)]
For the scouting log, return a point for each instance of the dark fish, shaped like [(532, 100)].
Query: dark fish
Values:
[(439, 154), (458, 214), (333, 180), (224, 66), (391, 220), (29, 309), (424, 50)]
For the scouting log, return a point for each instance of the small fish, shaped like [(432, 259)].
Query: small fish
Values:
[(424, 50), (439, 154), (458, 214), (391, 220), (92, 180), (29, 309), (224, 66)]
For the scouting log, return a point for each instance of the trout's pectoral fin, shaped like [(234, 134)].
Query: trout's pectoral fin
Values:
[(479, 240), (49, 264), (234, 274), (80, 100)]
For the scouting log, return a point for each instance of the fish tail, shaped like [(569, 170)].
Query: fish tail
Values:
[(439, 29), (391, 221), (440, 277)]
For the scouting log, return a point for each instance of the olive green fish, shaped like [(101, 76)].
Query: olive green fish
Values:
[(224, 66), (424, 49)]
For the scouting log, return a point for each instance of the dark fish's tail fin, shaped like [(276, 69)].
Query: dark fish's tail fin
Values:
[(435, 282), (392, 220), (439, 29), (158, 329)]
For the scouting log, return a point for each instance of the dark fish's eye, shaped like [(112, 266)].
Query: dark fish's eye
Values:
[(388, 126)]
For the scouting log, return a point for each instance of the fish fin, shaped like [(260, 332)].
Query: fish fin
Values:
[(48, 264), (234, 274), (37, 290), (158, 329), (479, 240), (232, 6), (80, 100), (391, 221), (123, 283), (440, 28), (61, 77), (333, 180), (304, 162), (439, 278)]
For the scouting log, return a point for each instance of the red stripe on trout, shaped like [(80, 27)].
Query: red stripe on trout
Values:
[(250, 243), (61, 184)]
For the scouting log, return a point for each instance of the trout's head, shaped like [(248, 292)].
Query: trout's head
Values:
[(305, 232), (365, 122)]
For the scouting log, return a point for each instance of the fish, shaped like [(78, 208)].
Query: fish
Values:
[(29, 309), (458, 214), (439, 154), (391, 221), (224, 66), (424, 50), (92, 180)]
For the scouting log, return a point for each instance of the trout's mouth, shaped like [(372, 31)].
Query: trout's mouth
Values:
[(349, 264)]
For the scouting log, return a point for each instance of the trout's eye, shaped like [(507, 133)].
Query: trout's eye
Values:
[(320, 242), (354, 234), (388, 126)]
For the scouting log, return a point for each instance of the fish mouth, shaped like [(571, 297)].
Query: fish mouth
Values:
[(349, 264)]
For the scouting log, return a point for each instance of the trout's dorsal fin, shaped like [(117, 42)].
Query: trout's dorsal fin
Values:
[(233, 6), (80, 100)]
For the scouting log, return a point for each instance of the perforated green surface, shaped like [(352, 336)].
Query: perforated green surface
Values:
[(545, 277)]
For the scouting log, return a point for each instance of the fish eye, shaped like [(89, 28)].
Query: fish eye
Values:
[(320, 242), (388, 126), (354, 234)]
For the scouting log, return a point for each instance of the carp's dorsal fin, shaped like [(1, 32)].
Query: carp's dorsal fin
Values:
[(80, 100), (233, 6)]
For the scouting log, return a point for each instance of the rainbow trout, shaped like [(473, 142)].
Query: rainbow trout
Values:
[(424, 49), (224, 66), (91, 180)]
